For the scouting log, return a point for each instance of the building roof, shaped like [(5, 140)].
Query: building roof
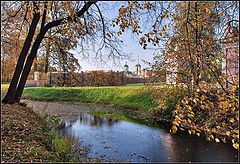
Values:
[(138, 65)]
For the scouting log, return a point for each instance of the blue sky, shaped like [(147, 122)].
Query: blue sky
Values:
[(130, 46)]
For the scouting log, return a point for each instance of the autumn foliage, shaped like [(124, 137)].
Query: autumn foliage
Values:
[(192, 33)]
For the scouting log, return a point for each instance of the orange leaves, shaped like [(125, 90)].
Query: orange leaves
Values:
[(123, 10), (148, 5), (165, 15)]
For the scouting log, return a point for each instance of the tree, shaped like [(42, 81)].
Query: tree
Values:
[(192, 44), (13, 29), (72, 18)]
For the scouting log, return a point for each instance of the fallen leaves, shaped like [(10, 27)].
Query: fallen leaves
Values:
[(23, 137)]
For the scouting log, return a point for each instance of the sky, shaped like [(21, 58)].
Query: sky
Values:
[(131, 46)]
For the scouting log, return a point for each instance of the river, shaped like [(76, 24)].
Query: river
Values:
[(117, 140)]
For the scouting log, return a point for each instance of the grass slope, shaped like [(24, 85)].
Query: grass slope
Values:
[(125, 96)]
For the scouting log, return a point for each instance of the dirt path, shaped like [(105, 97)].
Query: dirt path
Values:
[(63, 110), (71, 110)]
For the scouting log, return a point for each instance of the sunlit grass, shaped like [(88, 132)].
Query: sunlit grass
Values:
[(124, 96)]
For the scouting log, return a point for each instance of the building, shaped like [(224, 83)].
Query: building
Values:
[(138, 70), (138, 73), (230, 62)]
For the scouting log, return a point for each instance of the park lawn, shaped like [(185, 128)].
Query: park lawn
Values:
[(4, 87), (135, 97)]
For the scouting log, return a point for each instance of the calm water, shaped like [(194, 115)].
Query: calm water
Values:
[(125, 141)]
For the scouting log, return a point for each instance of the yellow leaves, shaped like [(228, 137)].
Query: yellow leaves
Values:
[(189, 131), (198, 134), (218, 127), (173, 129), (214, 130), (208, 10), (236, 145), (236, 131), (175, 123), (211, 136), (224, 105), (231, 120), (148, 5), (228, 133), (190, 115), (193, 131), (224, 140)]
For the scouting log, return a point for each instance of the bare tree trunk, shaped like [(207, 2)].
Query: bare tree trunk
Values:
[(9, 98), (36, 44), (28, 64)]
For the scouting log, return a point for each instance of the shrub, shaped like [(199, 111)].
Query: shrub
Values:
[(167, 97), (212, 112)]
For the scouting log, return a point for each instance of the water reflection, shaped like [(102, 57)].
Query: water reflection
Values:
[(96, 120), (125, 141)]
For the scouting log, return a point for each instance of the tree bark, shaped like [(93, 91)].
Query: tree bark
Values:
[(28, 64), (47, 53), (9, 98), (31, 57)]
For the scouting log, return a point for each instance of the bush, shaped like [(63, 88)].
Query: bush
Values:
[(167, 97), (212, 112)]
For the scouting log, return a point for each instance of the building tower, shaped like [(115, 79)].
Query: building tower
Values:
[(126, 68), (138, 68)]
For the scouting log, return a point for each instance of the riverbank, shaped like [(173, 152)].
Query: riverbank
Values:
[(26, 136), (140, 104), (71, 110), (86, 128), (132, 97)]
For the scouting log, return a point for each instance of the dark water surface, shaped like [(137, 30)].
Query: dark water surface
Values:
[(126, 141)]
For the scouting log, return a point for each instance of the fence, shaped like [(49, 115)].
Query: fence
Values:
[(93, 78)]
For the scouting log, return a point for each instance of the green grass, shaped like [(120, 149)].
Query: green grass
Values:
[(125, 96), (4, 88)]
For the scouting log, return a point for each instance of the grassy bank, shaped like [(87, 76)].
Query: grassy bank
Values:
[(134, 97), (4, 88), (26, 137)]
